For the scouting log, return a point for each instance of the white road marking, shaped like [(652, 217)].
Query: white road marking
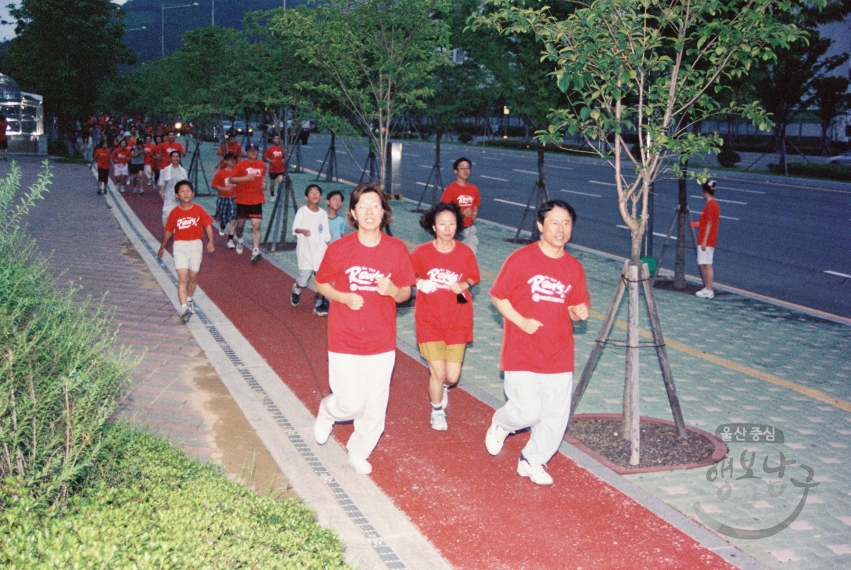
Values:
[(411, 154), (741, 190), (425, 166), (724, 201), (602, 183), (838, 274), (509, 202), (489, 158), (559, 167), (673, 237), (581, 193), (494, 178), (320, 161), (524, 171), (421, 183), (729, 218)]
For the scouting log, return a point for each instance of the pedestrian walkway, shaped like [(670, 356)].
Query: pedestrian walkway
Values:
[(734, 360)]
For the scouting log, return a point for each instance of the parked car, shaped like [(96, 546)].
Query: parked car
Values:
[(843, 159), (241, 128)]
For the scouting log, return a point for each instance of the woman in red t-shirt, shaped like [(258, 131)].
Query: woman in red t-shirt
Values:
[(102, 156), (156, 158), (446, 270)]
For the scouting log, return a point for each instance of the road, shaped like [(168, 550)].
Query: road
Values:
[(785, 238)]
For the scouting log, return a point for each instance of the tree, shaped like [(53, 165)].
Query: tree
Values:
[(638, 67), (64, 50), (831, 99), (373, 56)]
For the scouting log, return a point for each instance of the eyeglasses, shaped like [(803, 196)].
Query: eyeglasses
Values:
[(370, 206)]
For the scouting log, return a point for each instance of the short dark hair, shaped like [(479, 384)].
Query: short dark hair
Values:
[(183, 183), (549, 205), (709, 187), (229, 156), (459, 161), (429, 218), (359, 191), (309, 186), (172, 153), (333, 193)]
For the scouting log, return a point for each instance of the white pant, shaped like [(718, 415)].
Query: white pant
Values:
[(470, 237), (539, 401), (360, 388)]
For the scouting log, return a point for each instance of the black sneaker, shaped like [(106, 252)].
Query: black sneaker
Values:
[(321, 310), (190, 305), (184, 318), (256, 256), (295, 298)]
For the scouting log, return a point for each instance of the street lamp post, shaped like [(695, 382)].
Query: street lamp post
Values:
[(162, 20)]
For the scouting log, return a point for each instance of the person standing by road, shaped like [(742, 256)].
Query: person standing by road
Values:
[(539, 291), (249, 175), (446, 271), (707, 235), (467, 197), (364, 274)]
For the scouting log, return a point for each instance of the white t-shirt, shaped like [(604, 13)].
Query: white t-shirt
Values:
[(310, 250), (169, 176)]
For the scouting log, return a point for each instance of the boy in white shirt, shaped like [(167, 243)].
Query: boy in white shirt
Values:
[(311, 227)]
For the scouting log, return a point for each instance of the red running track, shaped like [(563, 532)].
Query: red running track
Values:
[(473, 508)]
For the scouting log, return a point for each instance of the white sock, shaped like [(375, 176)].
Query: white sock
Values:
[(182, 309)]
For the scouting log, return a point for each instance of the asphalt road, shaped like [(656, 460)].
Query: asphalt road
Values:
[(785, 238)]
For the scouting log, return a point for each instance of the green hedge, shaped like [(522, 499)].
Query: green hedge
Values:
[(150, 506), (822, 171)]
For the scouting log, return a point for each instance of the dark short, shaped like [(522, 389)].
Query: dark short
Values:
[(225, 210), (4, 144), (274, 175), (134, 168), (249, 211), (103, 175)]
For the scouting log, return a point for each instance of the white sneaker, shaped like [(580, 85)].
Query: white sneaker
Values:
[(445, 401), (231, 244), (495, 437), (438, 420), (536, 473), (705, 293), (362, 466), (322, 429), (239, 248), (190, 305)]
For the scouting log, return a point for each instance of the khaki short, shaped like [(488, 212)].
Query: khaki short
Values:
[(438, 350)]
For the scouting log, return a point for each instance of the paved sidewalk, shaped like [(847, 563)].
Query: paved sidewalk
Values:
[(735, 360)]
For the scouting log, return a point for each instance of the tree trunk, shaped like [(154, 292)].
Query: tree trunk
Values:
[(682, 228), (631, 415)]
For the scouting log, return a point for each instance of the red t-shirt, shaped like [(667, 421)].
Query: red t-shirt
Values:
[(220, 181), (150, 153), (353, 267), (188, 225), (465, 196), (542, 288), (439, 315), (234, 148), (166, 149), (711, 213), (3, 126), (250, 193), (102, 155), (275, 155), (121, 155)]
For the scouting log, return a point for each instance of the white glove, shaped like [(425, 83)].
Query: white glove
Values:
[(426, 286)]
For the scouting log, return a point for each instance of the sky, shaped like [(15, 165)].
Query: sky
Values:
[(8, 32)]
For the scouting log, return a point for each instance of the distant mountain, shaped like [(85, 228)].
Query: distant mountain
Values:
[(148, 14)]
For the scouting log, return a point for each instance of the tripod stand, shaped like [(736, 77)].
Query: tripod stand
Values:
[(370, 168), (295, 158), (329, 164), (537, 196), (668, 238), (280, 218), (196, 165), (435, 179)]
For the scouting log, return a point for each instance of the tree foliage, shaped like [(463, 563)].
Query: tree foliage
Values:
[(372, 56), (65, 49)]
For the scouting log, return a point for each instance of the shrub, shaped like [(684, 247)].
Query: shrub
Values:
[(823, 171), (465, 138), (59, 377), (728, 158), (150, 506), (56, 147)]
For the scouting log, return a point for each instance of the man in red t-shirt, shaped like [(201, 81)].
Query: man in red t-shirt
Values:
[(232, 146), (467, 197), (249, 175), (539, 291), (364, 275), (103, 157), (274, 156), (707, 234), (187, 222), (168, 146)]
